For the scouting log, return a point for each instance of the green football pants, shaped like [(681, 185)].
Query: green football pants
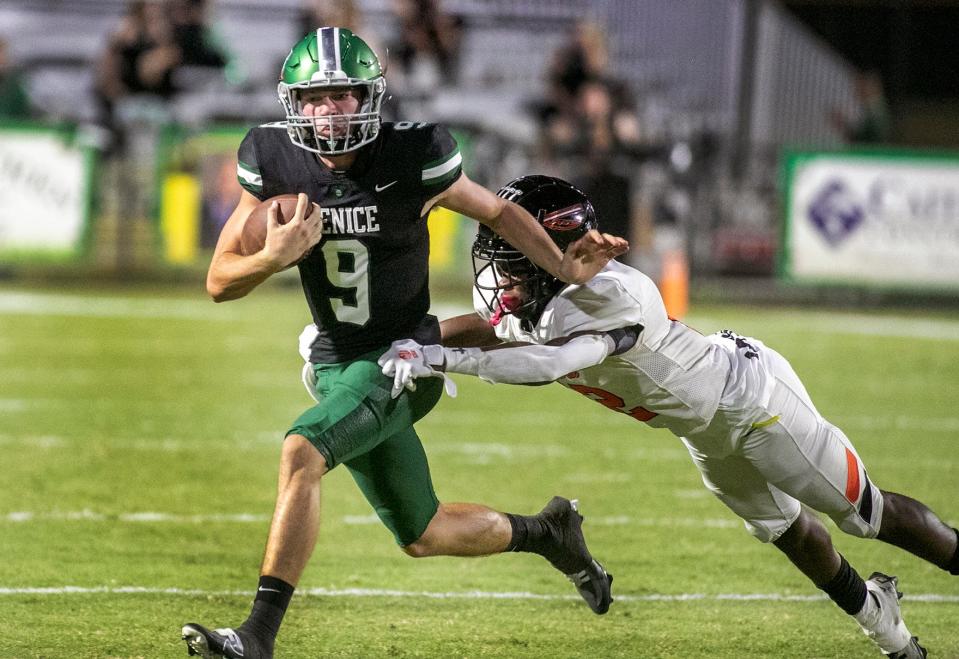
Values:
[(357, 423)]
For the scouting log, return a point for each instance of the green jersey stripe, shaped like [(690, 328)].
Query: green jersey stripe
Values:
[(443, 170), (250, 168), (248, 177), (440, 161), (433, 182)]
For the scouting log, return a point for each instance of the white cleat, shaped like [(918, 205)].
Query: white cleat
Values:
[(881, 619), (216, 644)]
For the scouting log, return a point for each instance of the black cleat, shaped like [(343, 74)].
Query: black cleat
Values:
[(222, 643), (570, 556)]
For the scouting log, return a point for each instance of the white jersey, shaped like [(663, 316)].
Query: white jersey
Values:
[(673, 378), (740, 409)]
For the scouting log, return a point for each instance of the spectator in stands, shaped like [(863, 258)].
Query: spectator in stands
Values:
[(14, 99), (599, 118), (426, 47), (153, 41), (584, 57), (193, 35), (611, 193), (140, 57), (315, 14), (589, 129), (320, 13), (870, 124), (609, 118)]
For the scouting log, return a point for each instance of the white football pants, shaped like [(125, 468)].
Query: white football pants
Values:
[(764, 455)]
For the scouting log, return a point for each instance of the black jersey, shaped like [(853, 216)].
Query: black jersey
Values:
[(367, 281)]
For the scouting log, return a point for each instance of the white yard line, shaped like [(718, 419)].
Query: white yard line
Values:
[(475, 451), (154, 517), (86, 515), (828, 323), (52, 304), (464, 595)]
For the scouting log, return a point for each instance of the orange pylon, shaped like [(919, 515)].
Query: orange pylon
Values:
[(674, 283)]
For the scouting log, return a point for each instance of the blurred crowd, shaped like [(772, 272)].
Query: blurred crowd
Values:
[(420, 50), (586, 127), (586, 124), (589, 130), (154, 42)]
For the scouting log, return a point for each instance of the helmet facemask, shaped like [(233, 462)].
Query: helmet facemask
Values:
[(508, 282), (344, 132), (331, 59)]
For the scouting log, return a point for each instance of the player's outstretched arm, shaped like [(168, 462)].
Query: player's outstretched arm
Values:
[(512, 363), (515, 225), (467, 331), (232, 275)]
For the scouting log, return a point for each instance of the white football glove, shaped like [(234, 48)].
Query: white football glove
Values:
[(309, 381), (407, 360), (308, 375)]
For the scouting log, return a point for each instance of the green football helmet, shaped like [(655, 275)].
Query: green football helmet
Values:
[(332, 57)]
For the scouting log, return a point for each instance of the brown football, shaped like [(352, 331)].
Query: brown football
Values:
[(253, 236)]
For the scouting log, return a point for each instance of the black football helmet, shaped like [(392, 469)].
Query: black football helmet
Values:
[(564, 212)]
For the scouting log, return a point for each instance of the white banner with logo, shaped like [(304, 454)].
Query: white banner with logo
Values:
[(888, 219), (44, 181)]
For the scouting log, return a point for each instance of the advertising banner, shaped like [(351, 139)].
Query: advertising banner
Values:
[(46, 184), (888, 219)]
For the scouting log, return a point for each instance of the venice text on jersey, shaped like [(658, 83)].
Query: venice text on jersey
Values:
[(356, 219)]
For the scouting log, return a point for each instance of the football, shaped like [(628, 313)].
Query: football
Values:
[(253, 235)]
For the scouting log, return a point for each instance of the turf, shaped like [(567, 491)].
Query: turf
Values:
[(140, 431)]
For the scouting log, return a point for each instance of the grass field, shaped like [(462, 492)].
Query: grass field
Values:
[(140, 431)]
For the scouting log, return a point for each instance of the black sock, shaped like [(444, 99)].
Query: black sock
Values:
[(847, 589), (272, 597), (518, 524), (953, 564), (532, 534)]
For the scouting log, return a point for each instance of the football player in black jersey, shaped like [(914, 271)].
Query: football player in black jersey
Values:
[(362, 255)]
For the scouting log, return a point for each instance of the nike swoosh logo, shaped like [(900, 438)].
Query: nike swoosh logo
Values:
[(380, 188), (235, 645), (271, 590), (232, 642)]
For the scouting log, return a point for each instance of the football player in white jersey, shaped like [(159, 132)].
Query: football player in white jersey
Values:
[(738, 406)]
